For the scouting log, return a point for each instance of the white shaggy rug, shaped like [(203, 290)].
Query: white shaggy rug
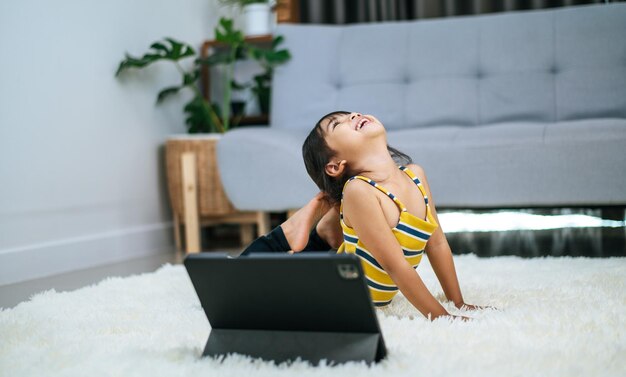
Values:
[(557, 317)]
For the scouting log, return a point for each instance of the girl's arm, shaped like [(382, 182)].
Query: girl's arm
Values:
[(438, 250), (364, 213)]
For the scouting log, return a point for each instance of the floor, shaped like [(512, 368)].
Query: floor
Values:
[(589, 232), (12, 294)]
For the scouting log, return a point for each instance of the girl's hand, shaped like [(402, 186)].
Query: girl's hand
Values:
[(465, 306), (454, 317), (463, 318)]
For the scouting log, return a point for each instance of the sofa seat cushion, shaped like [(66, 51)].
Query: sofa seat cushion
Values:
[(521, 164)]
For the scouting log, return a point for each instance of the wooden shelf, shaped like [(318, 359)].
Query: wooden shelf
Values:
[(207, 46), (253, 119), (256, 40)]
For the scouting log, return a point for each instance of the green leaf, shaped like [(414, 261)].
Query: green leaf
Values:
[(225, 33), (198, 119), (261, 83), (226, 23), (240, 53), (193, 128), (175, 52), (196, 73), (187, 51), (167, 92), (151, 58), (255, 53), (237, 86), (159, 46), (277, 40), (219, 36), (190, 78), (131, 62), (281, 56), (159, 51)]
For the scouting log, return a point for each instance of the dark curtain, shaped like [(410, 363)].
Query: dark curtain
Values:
[(352, 11)]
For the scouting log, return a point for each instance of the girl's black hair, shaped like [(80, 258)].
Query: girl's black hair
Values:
[(317, 154)]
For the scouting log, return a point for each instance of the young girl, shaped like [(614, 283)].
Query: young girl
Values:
[(385, 210)]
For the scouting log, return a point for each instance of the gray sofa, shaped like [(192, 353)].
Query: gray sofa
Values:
[(518, 109)]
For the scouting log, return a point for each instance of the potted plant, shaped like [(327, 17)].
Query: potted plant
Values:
[(256, 13), (268, 59), (202, 117), (195, 189)]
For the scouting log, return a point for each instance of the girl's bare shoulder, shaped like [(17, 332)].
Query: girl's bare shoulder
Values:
[(359, 200), (418, 170), (357, 188)]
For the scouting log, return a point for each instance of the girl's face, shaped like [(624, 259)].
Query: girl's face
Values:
[(349, 133)]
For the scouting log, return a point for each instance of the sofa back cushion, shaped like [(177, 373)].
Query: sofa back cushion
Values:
[(538, 66)]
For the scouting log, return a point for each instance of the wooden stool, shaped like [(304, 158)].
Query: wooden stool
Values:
[(196, 194)]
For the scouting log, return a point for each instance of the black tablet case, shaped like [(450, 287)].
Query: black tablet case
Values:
[(280, 307)]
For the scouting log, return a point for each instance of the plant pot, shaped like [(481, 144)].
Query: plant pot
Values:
[(257, 19), (264, 100), (237, 108)]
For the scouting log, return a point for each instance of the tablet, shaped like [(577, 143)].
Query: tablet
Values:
[(281, 301)]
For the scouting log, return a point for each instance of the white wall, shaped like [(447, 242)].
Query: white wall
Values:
[(81, 158)]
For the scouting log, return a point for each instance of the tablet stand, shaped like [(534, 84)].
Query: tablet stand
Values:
[(312, 346)]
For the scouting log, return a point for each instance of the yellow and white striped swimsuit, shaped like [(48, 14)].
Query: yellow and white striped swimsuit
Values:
[(411, 232)]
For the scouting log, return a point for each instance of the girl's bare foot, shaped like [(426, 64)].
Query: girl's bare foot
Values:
[(329, 228), (297, 227)]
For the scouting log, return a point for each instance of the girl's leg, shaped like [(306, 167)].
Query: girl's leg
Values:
[(276, 242), (329, 229), (316, 243), (296, 234)]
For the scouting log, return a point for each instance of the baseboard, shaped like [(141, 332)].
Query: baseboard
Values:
[(59, 256)]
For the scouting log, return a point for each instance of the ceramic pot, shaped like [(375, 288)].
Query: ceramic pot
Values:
[(257, 19)]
